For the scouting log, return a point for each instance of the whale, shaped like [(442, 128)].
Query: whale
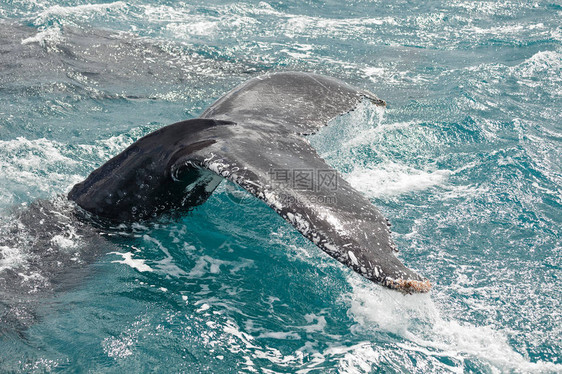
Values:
[(256, 137)]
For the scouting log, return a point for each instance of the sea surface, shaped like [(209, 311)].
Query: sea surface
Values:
[(465, 161)]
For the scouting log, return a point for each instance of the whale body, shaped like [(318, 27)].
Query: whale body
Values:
[(255, 136)]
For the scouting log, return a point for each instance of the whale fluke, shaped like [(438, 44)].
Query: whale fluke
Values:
[(254, 136)]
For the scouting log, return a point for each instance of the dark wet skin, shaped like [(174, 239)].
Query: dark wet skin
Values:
[(253, 131)]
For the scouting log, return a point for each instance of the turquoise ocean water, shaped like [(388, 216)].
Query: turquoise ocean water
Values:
[(465, 162)]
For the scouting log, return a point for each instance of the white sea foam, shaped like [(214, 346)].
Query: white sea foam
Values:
[(504, 30), (167, 264), (45, 38), (206, 264), (314, 26), (34, 164), (418, 319), (393, 76), (371, 135), (240, 18), (106, 148), (184, 21), (315, 323), (135, 263), (68, 238), (209, 265), (11, 258), (391, 178), (281, 335), (543, 62), (200, 28), (63, 242), (82, 11), (34, 153)]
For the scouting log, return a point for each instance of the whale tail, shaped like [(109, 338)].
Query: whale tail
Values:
[(254, 136)]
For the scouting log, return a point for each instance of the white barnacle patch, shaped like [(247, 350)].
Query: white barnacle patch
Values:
[(272, 200), (208, 159), (249, 182), (315, 239), (353, 258), (300, 223), (216, 167), (330, 248)]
